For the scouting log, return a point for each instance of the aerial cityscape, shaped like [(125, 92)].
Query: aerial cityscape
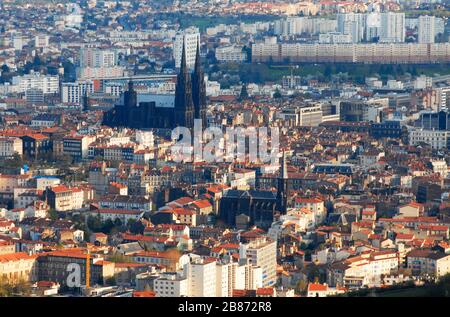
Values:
[(224, 148)]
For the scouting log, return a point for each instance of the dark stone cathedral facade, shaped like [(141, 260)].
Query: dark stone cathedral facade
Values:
[(190, 104), (258, 205)]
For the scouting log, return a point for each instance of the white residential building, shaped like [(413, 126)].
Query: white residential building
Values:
[(16, 214), (190, 38), (373, 25), (262, 253), (145, 138), (208, 278), (96, 57), (123, 215), (302, 218), (77, 146), (365, 269), (230, 53), (171, 284), (440, 166), (84, 73), (224, 279), (48, 84), (38, 209), (42, 182), (437, 139), (316, 205), (423, 82), (63, 198), (426, 28), (73, 93), (9, 146), (41, 40), (443, 98), (19, 41), (113, 89), (426, 261), (335, 38), (352, 24), (293, 25), (392, 29), (202, 277)]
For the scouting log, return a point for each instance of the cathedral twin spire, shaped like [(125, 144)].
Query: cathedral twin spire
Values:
[(184, 106), (190, 93), (199, 89), (282, 188)]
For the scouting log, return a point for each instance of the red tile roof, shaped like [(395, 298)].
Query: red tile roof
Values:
[(202, 203), (12, 257), (144, 294), (317, 287)]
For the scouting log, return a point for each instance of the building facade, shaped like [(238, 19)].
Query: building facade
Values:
[(10, 146), (262, 253), (187, 40)]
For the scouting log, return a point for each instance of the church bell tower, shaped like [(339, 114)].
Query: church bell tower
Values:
[(184, 107), (282, 188)]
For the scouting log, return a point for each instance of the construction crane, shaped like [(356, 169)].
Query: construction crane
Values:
[(88, 270)]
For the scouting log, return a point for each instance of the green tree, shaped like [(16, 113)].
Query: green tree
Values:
[(5, 68), (248, 51), (53, 214), (22, 288), (94, 223), (37, 61), (6, 289), (135, 227), (328, 71), (277, 94), (244, 93), (107, 226), (301, 287), (19, 288), (117, 222), (119, 258), (15, 162)]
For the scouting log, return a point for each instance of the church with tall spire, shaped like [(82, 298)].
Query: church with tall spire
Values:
[(260, 206), (184, 105), (282, 186), (133, 111), (199, 90)]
